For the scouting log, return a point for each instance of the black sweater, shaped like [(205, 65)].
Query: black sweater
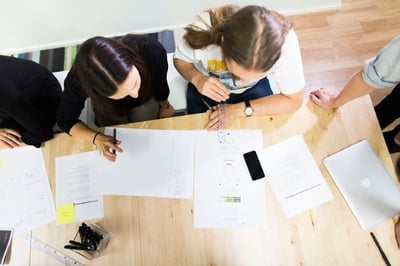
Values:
[(29, 98)]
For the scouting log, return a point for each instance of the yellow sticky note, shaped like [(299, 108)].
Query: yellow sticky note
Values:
[(65, 213), (1, 163)]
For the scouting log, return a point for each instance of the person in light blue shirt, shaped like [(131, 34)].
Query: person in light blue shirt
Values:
[(381, 71)]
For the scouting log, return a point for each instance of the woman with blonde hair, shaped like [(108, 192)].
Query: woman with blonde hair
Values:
[(245, 61)]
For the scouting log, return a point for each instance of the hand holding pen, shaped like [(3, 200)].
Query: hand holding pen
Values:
[(211, 87), (108, 145), (223, 114), (217, 116)]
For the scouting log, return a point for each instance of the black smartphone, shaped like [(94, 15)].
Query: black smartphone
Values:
[(253, 164)]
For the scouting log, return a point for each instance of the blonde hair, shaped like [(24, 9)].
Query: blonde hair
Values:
[(252, 36)]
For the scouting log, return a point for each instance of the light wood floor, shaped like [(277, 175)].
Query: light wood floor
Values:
[(335, 44)]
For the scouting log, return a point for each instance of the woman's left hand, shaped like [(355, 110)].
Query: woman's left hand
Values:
[(222, 115)]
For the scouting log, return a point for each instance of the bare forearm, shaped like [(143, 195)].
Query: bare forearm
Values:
[(188, 71), (81, 130), (107, 145), (355, 87), (277, 104), (268, 105), (208, 86)]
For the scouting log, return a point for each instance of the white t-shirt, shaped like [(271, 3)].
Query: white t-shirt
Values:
[(286, 75)]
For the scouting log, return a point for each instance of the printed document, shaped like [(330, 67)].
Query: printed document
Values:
[(156, 163), (294, 176), (26, 201), (225, 196), (75, 199)]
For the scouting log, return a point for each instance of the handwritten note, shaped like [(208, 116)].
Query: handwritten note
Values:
[(65, 213), (25, 193)]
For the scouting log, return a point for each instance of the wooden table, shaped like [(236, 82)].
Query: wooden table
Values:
[(154, 231)]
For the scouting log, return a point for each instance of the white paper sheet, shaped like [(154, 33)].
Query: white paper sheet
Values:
[(294, 176), (26, 201), (225, 195), (73, 186), (157, 163)]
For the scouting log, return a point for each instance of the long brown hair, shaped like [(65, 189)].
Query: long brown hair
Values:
[(199, 38), (251, 36), (104, 63)]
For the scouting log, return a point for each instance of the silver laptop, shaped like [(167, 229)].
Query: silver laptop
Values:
[(368, 188)]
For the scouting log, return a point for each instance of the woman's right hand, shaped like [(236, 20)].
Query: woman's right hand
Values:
[(107, 147), (10, 138), (212, 88)]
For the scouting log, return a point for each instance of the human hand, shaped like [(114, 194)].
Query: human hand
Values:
[(166, 112), (324, 97), (107, 146), (10, 138), (397, 232), (222, 115), (212, 88)]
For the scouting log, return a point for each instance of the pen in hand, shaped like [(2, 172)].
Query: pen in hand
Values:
[(207, 104), (114, 138)]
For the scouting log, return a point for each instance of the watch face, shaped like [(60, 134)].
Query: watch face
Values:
[(248, 111)]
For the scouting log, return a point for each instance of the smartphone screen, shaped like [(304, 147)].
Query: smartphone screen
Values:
[(253, 164)]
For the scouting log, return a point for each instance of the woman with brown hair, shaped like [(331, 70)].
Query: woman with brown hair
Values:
[(126, 80), (234, 55)]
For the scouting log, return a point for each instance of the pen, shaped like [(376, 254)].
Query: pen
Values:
[(211, 74), (207, 104), (114, 137), (221, 116), (380, 249)]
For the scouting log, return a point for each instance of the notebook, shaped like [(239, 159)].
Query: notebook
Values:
[(366, 185)]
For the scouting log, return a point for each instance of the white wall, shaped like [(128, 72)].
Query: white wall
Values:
[(28, 25)]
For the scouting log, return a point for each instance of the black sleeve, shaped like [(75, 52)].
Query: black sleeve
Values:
[(34, 126), (156, 57), (158, 70), (72, 103)]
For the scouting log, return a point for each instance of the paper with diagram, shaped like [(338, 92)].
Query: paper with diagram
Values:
[(26, 201), (225, 196)]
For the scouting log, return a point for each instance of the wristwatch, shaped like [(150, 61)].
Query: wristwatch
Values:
[(248, 110)]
